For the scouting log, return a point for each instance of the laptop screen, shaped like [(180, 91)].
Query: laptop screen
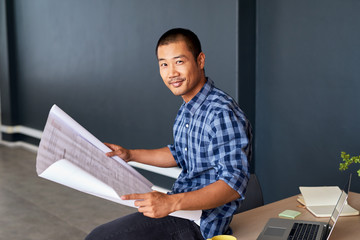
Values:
[(338, 208)]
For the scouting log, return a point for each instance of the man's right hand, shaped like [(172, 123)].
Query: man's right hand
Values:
[(160, 157), (117, 150)]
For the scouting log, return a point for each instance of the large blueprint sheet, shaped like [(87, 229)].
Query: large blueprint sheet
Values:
[(68, 154)]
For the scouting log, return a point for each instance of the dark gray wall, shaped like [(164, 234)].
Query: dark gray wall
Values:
[(307, 85), (96, 60), (8, 99)]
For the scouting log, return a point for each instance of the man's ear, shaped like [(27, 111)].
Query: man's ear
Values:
[(201, 60)]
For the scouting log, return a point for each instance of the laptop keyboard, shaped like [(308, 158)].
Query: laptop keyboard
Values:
[(303, 231)]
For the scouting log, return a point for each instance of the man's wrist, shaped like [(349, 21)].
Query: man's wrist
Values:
[(129, 155), (176, 200)]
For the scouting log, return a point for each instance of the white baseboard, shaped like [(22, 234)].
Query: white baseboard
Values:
[(22, 130)]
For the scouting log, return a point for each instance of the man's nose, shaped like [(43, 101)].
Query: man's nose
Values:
[(173, 71)]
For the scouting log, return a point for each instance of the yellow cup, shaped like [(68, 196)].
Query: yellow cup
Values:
[(222, 237)]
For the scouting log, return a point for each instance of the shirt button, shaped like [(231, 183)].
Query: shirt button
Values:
[(185, 149), (186, 125)]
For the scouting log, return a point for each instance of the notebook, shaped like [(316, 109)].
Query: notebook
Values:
[(279, 229), (320, 201)]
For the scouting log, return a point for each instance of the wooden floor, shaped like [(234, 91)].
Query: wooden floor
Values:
[(32, 208)]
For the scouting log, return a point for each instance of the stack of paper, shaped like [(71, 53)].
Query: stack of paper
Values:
[(321, 201)]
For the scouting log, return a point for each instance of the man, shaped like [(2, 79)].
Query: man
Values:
[(212, 145)]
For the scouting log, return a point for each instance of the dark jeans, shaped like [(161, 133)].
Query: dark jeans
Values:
[(137, 226)]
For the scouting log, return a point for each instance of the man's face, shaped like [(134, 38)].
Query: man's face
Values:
[(179, 70)]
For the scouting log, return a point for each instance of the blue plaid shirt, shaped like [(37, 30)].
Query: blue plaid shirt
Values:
[(212, 141)]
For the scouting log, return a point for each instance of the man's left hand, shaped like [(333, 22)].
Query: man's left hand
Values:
[(153, 204)]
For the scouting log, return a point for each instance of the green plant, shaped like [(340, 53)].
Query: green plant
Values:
[(347, 160)]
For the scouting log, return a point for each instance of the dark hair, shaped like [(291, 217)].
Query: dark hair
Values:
[(178, 34)]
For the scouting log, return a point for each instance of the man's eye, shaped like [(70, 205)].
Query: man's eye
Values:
[(163, 65), (179, 62)]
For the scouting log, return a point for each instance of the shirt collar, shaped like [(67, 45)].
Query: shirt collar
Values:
[(200, 97)]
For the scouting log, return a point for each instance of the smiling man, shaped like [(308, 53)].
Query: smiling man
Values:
[(212, 146), (182, 72)]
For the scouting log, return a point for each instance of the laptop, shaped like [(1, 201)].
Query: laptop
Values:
[(282, 229)]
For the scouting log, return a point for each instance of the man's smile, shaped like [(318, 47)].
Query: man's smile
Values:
[(176, 82)]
